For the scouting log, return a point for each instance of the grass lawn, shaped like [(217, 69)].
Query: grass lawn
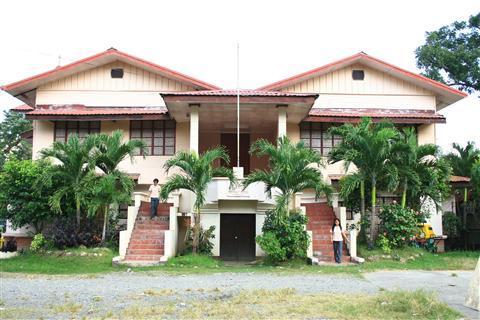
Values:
[(71, 261), (258, 304), (287, 304), (99, 260)]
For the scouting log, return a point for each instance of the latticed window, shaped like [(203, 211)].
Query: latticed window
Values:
[(63, 129), (158, 136), (315, 136)]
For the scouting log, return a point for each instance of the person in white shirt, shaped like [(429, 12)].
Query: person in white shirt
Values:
[(154, 191), (336, 236)]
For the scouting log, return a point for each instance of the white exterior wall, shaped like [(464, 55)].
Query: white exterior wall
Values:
[(211, 217), (337, 89), (95, 87)]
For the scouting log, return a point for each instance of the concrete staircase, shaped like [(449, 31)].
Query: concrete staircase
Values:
[(320, 220), (147, 242)]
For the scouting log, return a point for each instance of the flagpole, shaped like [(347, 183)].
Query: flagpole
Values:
[(238, 105)]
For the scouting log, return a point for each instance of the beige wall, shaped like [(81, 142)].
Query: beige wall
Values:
[(42, 136), (377, 90), (95, 87), (426, 133), (149, 167)]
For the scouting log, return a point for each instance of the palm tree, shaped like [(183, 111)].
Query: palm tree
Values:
[(197, 171), (102, 191), (75, 161), (463, 162), (463, 159), (290, 170), (411, 160), (368, 146), (109, 152)]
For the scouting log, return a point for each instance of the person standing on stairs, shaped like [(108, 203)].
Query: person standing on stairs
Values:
[(154, 191), (336, 236)]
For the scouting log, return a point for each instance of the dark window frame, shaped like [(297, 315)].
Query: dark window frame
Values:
[(323, 131), (152, 137), (90, 129)]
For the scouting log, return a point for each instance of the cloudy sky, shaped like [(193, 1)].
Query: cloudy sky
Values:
[(277, 39)]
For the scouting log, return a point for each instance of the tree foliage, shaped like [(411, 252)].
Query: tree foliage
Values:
[(368, 146), (465, 161), (422, 172), (292, 168), (11, 143), (451, 54), (23, 199), (73, 162), (196, 171)]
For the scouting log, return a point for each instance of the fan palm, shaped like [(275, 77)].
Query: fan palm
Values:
[(197, 171), (74, 161), (290, 170), (368, 146)]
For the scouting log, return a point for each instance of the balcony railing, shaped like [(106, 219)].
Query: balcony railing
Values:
[(220, 189)]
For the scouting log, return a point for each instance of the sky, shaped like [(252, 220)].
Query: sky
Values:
[(277, 39)]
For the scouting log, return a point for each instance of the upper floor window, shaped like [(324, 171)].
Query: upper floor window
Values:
[(63, 129), (158, 136), (315, 135)]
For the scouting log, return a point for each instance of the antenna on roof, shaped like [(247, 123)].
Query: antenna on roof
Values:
[(59, 61)]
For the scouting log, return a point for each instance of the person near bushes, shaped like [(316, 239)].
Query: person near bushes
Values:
[(154, 197), (336, 236)]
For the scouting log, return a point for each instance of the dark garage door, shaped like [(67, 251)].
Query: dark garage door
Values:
[(237, 237)]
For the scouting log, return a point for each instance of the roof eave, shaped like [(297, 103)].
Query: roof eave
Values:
[(18, 87)]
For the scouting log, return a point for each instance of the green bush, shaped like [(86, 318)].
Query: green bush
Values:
[(284, 237), (272, 247), (23, 195), (39, 243), (398, 224), (205, 246), (384, 244)]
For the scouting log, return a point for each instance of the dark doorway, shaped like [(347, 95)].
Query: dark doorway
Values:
[(229, 140), (237, 237)]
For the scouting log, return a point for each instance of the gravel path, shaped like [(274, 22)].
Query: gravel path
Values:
[(116, 291)]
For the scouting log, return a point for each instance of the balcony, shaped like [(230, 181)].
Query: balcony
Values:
[(219, 189)]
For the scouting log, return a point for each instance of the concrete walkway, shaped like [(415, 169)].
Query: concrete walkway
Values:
[(116, 291)]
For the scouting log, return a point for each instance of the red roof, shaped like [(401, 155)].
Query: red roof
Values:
[(242, 93), (22, 108), (111, 53), (361, 55), (79, 111), (369, 60), (342, 114)]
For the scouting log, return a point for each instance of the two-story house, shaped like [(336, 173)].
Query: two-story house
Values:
[(171, 111)]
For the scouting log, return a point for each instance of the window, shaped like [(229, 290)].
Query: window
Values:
[(315, 135), (116, 73), (358, 74), (63, 129), (158, 136)]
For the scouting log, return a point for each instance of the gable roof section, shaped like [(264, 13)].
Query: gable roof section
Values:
[(445, 95), (110, 55)]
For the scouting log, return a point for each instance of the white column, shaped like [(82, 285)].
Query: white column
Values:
[(194, 127), (282, 120)]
